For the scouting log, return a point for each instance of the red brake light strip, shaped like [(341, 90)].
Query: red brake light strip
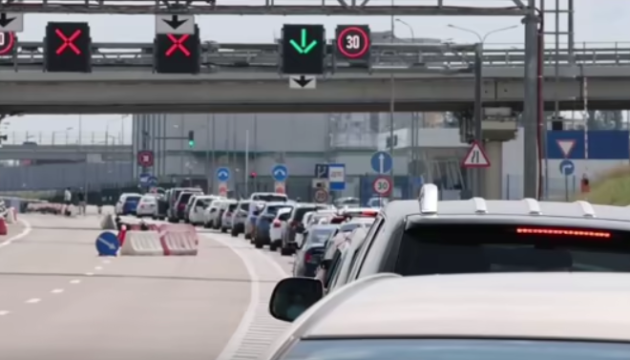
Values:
[(564, 232)]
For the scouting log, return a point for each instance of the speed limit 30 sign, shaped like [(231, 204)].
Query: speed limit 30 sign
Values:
[(353, 42), (382, 185)]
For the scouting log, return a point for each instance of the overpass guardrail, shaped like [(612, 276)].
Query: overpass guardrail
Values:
[(244, 57)]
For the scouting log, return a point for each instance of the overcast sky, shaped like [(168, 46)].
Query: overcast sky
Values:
[(604, 21)]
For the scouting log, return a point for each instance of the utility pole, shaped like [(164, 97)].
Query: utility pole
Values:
[(530, 110)]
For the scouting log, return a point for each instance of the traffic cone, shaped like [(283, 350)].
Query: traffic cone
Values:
[(3, 227)]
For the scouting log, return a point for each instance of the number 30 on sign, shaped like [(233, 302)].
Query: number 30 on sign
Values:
[(382, 185)]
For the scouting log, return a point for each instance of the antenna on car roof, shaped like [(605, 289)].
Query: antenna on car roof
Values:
[(429, 197)]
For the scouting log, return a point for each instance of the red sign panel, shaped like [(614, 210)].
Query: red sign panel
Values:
[(177, 54), (68, 42), (7, 42), (68, 47), (145, 158)]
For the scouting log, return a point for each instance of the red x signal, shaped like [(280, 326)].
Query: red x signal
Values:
[(68, 42), (177, 44)]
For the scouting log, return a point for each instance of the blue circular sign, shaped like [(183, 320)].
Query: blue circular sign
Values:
[(223, 174), (567, 167), (279, 172), (381, 162), (144, 178), (107, 244)]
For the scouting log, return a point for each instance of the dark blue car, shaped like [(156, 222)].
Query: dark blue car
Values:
[(309, 256), (130, 205), (263, 223)]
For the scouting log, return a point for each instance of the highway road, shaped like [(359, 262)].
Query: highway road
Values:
[(59, 300)]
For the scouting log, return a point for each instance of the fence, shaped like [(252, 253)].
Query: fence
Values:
[(65, 138), (558, 188)]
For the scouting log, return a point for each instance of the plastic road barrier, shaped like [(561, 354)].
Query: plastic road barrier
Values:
[(142, 243)]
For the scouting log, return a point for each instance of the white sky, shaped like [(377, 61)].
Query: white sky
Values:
[(602, 21)]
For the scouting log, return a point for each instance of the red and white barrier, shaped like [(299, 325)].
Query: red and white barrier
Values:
[(142, 243), (159, 240), (11, 216)]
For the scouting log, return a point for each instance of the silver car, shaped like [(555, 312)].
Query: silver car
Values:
[(227, 207), (239, 216)]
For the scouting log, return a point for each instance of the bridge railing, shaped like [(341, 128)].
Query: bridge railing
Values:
[(226, 57), (64, 138)]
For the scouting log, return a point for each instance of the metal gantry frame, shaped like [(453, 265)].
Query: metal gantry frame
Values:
[(266, 7)]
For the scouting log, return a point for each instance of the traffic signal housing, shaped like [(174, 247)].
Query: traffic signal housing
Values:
[(191, 139)]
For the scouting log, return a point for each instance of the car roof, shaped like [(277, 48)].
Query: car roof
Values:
[(530, 210), (516, 305)]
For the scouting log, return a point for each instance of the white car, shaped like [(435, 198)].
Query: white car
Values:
[(119, 209), (275, 230), (196, 213), (211, 213), (147, 206), (542, 316)]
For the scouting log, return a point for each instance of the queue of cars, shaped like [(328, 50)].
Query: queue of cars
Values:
[(466, 279)]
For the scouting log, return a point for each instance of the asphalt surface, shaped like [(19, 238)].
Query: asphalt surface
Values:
[(59, 300)]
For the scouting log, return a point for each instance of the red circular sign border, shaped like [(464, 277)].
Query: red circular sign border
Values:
[(362, 33), (382, 178), (9, 47), (321, 191)]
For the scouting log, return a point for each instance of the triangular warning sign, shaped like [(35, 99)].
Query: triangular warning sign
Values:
[(476, 157), (566, 146)]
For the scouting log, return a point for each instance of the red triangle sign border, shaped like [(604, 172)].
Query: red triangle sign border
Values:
[(475, 146)]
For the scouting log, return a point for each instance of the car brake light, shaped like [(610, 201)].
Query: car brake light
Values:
[(228, 214), (181, 206), (369, 213), (308, 257), (294, 223), (276, 223), (564, 232)]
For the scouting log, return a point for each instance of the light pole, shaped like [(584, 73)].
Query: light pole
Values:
[(484, 37), (413, 35)]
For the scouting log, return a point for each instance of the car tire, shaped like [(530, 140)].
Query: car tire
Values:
[(285, 251), (258, 244), (273, 246), (223, 230), (233, 233), (247, 237)]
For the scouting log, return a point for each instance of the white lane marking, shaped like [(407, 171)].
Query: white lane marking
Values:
[(89, 273), (238, 336), (33, 301), (26, 231), (75, 281), (4, 312), (98, 268), (106, 261), (56, 291)]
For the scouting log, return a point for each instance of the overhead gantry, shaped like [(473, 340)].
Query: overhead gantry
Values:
[(264, 7)]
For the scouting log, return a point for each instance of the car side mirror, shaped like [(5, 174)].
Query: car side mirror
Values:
[(293, 296)]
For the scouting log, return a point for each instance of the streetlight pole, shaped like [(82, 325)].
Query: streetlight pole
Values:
[(413, 34), (484, 37), (392, 110)]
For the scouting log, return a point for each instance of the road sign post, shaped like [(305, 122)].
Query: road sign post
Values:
[(222, 189), (280, 187), (382, 162)]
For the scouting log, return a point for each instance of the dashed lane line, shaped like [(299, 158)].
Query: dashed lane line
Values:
[(257, 329), (33, 301), (56, 291)]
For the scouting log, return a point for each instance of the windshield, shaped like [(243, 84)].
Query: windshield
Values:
[(464, 248), (273, 209), (269, 198), (298, 213), (319, 236), (456, 349), (244, 206), (185, 197)]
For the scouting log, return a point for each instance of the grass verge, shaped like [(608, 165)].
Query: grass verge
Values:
[(611, 188)]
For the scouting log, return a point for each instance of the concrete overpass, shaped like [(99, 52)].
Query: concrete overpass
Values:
[(29, 92), (79, 153)]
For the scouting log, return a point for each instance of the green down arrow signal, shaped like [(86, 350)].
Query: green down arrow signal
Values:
[(303, 48)]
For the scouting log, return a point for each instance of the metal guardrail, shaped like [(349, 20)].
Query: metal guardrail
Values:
[(240, 57)]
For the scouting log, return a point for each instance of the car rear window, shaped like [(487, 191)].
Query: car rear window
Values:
[(273, 210), (270, 198), (244, 206), (298, 213), (480, 248), (319, 236), (132, 198), (232, 207), (185, 197), (456, 349)]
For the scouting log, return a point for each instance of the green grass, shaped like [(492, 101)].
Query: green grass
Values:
[(611, 188)]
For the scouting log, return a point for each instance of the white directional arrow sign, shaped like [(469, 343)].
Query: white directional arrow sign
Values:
[(11, 22), (106, 243), (280, 173), (174, 24)]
